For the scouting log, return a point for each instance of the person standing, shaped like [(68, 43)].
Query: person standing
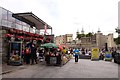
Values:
[(33, 54), (76, 51), (41, 55), (27, 55)]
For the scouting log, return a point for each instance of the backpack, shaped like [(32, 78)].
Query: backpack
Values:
[(27, 51)]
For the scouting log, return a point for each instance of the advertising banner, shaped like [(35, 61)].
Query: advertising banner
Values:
[(95, 54)]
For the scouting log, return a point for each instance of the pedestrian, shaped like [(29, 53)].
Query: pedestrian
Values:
[(89, 52), (64, 50), (27, 55), (83, 51), (71, 51), (33, 54), (76, 51), (41, 55), (101, 55)]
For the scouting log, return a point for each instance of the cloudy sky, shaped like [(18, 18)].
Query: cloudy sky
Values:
[(68, 16)]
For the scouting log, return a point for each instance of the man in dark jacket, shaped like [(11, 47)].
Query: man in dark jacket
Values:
[(33, 54)]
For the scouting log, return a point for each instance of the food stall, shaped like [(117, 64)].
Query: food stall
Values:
[(15, 53), (53, 59), (54, 55), (65, 58)]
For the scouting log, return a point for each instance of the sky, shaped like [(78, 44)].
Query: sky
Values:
[(69, 16)]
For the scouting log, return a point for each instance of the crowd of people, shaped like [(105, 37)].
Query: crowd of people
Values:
[(29, 54), (82, 51), (32, 53)]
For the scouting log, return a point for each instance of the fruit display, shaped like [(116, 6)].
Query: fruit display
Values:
[(14, 58), (66, 58)]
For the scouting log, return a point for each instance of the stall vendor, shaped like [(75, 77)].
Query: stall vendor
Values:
[(64, 50)]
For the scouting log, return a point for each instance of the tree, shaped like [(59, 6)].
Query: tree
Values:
[(80, 35), (118, 31), (89, 34), (117, 40)]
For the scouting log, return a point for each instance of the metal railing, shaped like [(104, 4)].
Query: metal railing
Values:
[(18, 26)]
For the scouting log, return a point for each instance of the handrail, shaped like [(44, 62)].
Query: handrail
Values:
[(14, 24)]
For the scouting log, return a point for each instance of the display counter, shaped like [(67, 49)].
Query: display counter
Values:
[(65, 58), (58, 59), (53, 59)]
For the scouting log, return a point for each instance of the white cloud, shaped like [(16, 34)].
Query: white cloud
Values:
[(66, 16)]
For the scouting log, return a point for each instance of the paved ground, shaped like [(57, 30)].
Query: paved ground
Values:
[(83, 69)]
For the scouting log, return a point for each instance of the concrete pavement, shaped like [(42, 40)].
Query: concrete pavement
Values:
[(9, 68), (83, 69)]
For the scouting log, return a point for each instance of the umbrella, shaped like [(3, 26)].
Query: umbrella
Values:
[(59, 46), (64, 46), (49, 45)]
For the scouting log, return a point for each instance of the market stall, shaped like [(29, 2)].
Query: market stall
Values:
[(52, 57), (56, 55), (65, 58), (15, 53)]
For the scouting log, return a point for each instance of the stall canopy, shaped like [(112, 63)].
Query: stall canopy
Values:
[(31, 19)]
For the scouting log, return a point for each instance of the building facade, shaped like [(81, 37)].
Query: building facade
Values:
[(110, 41), (69, 38), (59, 39), (100, 39), (18, 23), (97, 40), (63, 39)]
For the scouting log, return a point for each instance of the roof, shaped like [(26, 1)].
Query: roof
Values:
[(31, 19)]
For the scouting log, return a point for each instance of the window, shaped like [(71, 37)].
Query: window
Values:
[(4, 17), (25, 28), (0, 15), (31, 30), (4, 14), (18, 26), (10, 18)]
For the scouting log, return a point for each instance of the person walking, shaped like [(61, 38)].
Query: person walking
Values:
[(76, 51)]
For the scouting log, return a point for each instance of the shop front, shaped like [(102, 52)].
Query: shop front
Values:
[(17, 30), (15, 53)]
